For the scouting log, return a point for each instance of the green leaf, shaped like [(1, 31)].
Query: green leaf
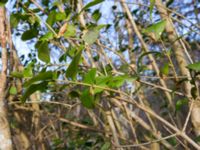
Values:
[(28, 71), (51, 18), (101, 81), (165, 69), (73, 67), (90, 4), (13, 90), (71, 31), (156, 29), (96, 15), (117, 81), (106, 146), (172, 141), (90, 76), (3, 2), (33, 88), (180, 103), (29, 34), (43, 51), (42, 76), (152, 3), (48, 36), (91, 36), (17, 74), (197, 139), (14, 19), (60, 16), (87, 99), (194, 66)]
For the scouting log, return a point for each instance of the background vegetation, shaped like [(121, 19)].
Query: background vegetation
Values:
[(99, 74)]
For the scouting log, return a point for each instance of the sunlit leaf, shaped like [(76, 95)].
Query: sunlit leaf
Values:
[(28, 70), (90, 76), (165, 69), (156, 29), (91, 36), (194, 66), (48, 36), (13, 90), (70, 31)]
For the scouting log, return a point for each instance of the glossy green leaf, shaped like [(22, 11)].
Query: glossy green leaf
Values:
[(194, 66), (29, 34), (13, 90), (73, 67), (87, 99), (90, 4), (90, 76), (42, 76), (180, 103), (156, 29), (33, 88), (43, 51)]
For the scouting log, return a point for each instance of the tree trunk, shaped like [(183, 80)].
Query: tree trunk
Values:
[(5, 135)]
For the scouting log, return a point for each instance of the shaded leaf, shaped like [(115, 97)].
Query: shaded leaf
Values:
[(42, 76), (29, 34), (180, 103), (51, 18), (33, 88), (73, 67), (90, 4), (106, 146), (43, 51), (87, 99)]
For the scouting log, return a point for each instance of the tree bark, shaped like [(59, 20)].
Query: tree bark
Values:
[(5, 135)]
